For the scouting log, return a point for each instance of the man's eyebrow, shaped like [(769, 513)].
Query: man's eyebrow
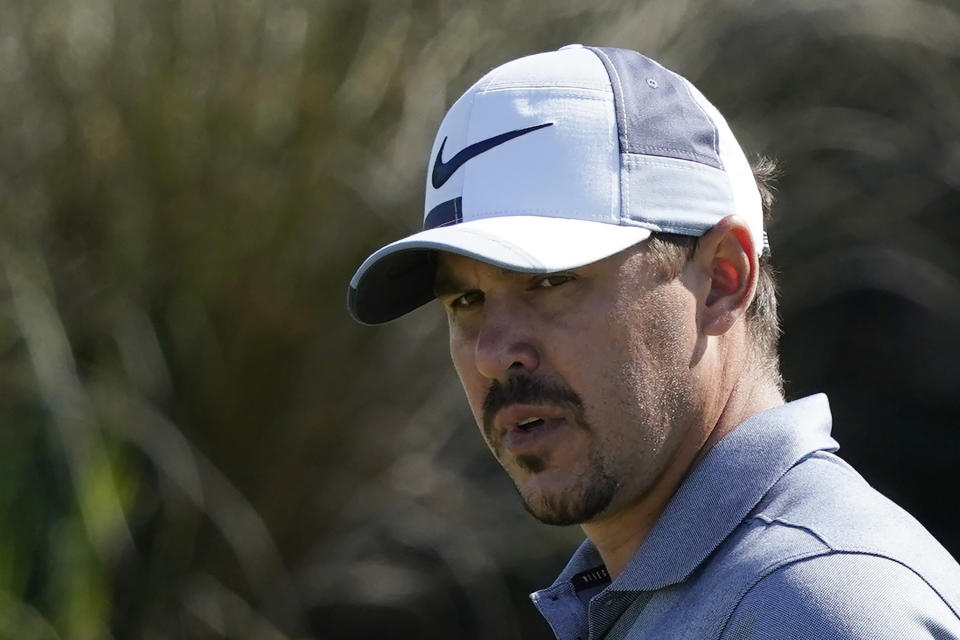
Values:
[(445, 285)]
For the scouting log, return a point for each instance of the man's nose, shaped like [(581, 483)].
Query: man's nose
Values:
[(506, 342)]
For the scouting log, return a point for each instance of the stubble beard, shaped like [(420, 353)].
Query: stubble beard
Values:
[(593, 490), (589, 494), (587, 497)]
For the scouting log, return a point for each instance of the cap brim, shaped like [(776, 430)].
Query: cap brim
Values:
[(399, 277)]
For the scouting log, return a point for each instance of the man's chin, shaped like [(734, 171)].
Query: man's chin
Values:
[(572, 505), (556, 517)]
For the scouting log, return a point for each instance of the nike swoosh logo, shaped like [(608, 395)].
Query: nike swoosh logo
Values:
[(443, 170)]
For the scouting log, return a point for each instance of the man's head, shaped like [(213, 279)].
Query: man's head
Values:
[(594, 357), (589, 382)]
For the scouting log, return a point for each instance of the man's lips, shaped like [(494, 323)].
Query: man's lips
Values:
[(523, 427)]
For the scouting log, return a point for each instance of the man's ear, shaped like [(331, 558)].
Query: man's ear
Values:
[(727, 257)]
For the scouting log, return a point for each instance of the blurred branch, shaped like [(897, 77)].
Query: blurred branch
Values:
[(211, 492), (70, 407), (225, 612), (376, 64), (23, 622)]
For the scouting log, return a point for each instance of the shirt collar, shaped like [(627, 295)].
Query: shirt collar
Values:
[(717, 494)]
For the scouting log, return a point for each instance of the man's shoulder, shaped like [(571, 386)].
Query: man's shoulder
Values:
[(822, 544), (819, 546), (827, 501), (839, 596)]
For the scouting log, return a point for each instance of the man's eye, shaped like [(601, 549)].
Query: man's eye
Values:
[(468, 299), (553, 280)]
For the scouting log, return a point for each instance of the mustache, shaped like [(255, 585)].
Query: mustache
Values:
[(524, 389)]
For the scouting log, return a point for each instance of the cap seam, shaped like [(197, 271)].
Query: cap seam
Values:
[(699, 158), (623, 108), (485, 82), (503, 86), (541, 213), (510, 213), (668, 162), (607, 63), (570, 94), (626, 204), (458, 210), (713, 126)]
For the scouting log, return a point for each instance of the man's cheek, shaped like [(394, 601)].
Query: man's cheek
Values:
[(473, 387)]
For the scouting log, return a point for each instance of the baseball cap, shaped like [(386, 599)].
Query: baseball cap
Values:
[(558, 160)]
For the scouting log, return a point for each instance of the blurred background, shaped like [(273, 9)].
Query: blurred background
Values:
[(195, 439)]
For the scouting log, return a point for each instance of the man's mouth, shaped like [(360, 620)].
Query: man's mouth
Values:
[(530, 432), (521, 398)]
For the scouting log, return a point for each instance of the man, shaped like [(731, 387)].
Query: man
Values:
[(595, 234)]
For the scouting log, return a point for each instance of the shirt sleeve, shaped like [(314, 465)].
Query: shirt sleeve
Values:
[(842, 596)]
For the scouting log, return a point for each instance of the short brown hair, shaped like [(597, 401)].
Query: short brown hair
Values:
[(668, 252)]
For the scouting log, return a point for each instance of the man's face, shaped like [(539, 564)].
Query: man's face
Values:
[(581, 381)]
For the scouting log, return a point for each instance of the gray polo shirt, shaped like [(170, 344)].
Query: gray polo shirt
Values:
[(769, 536)]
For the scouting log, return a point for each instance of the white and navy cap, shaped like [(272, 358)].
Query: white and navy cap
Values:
[(558, 160)]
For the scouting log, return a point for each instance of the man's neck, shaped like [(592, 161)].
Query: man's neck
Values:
[(619, 536)]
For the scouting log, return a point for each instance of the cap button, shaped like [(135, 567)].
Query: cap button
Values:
[(571, 46)]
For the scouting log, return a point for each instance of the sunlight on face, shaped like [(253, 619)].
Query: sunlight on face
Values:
[(580, 381)]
